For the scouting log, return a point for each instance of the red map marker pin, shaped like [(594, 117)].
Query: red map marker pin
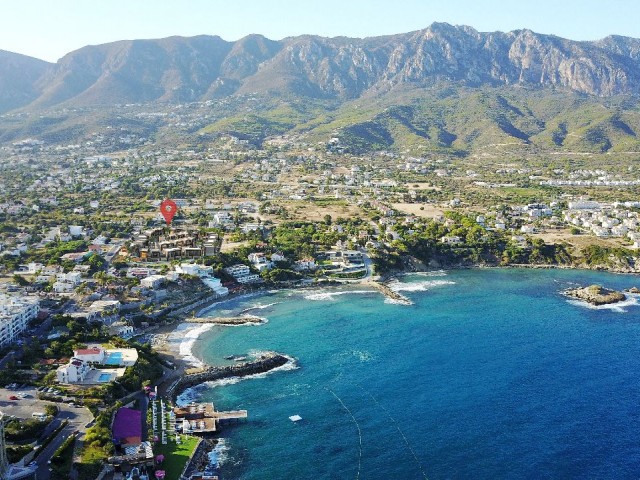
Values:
[(168, 209)]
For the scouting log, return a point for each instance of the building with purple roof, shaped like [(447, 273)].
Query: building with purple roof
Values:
[(127, 427)]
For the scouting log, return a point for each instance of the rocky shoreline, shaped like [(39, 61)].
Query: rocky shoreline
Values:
[(596, 295), (265, 363)]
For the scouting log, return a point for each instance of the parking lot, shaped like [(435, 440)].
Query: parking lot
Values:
[(28, 403), (22, 407)]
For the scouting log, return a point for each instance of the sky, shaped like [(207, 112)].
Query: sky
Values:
[(48, 29)]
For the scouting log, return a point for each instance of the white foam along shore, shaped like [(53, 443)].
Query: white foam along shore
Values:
[(421, 286), (188, 333), (192, 394), (325, 294), (184, 337)]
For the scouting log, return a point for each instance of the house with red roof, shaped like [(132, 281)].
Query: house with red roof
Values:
[(93, 354)]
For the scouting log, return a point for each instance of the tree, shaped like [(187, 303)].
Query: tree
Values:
[(20, 280)]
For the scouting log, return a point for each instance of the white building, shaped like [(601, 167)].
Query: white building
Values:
[(260, 261), (584, 205), (76, 230), (15, 314), (90, 355), (75, 371), (152, 281), (67, 282), (194, 269), (242, 274), (140, 272), (278, 257), (205, 273), (451, 240), (304, 265)]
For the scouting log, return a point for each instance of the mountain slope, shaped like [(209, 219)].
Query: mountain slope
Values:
[(18, 76), (178, 69)]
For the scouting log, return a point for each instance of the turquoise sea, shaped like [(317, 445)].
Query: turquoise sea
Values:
[(490, 374)]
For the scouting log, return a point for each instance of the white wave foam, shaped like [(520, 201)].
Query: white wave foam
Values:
[(435, 273), (203, 312), (190, 395), (219, 454), (324, 295), (259, 307), (189, 337), (362, 355), (619, 307), (393, 301), (418, 286)]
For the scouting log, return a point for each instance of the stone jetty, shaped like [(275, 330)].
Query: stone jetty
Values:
[(265, 363), (390, 294), (241, 320)]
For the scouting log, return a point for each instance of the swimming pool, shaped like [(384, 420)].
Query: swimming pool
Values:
[(114, 358), (104, 377)]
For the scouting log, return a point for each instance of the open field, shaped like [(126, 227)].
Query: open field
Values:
[(422, 210), (579, 241)]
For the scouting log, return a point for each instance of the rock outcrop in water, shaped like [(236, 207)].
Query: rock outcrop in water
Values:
[(597, 295)]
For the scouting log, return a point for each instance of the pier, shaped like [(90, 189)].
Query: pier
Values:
[(201, 418)]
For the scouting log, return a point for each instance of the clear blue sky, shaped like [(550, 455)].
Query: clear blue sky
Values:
[(48, 29)]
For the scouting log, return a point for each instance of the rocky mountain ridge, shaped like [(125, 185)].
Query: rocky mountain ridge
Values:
[(178, 69)]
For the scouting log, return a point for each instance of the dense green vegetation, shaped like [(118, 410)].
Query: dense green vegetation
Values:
[(97, 444), (24, 430), (62, 459)]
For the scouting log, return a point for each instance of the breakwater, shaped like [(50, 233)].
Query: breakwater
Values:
[(241, 320), (265, 363), (390, 294)]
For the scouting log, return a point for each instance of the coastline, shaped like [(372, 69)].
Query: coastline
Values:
[(180, 336), (179, 353)]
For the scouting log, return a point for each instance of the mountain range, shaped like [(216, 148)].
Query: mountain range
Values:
[(423, 82)]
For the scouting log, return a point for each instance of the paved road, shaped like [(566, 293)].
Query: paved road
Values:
[(144, 405), (78, 419)]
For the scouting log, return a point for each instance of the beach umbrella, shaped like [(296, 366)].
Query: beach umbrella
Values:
[(160, 474)]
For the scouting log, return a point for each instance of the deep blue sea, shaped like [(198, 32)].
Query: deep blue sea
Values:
[(490, 374)]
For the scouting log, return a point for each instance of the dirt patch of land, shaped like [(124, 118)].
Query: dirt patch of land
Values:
[(580, 241), (422, 186), (230, 246), (310, 212), (422, 210)]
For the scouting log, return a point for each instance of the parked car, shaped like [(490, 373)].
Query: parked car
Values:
[(13, 397)]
